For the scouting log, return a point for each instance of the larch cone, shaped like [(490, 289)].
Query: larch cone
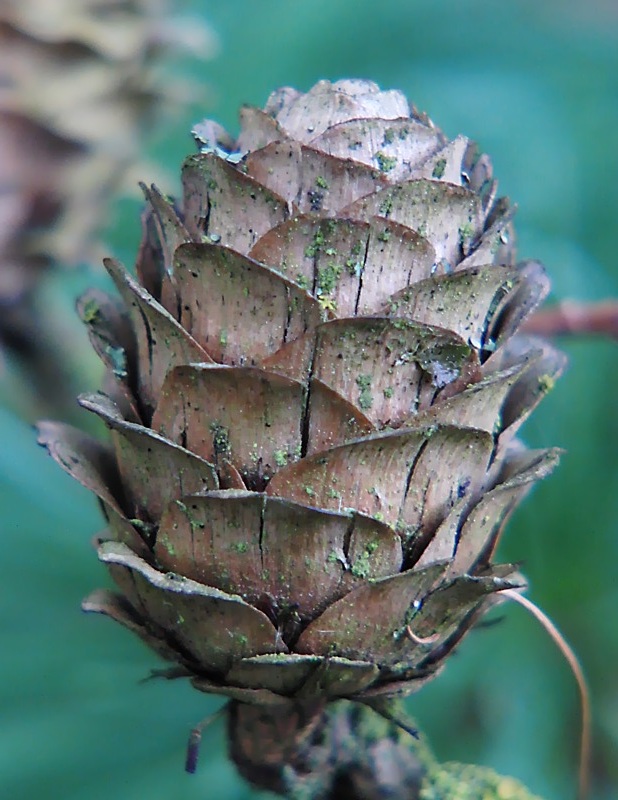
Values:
[(314, 387)]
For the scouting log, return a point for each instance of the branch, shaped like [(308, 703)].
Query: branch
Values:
[(571, 317)]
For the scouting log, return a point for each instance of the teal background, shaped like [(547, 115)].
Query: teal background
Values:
[(536, 84)]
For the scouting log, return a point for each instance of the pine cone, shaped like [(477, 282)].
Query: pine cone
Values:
[(313, 392)]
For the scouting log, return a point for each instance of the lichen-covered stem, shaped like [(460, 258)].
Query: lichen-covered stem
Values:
[(348, 751)]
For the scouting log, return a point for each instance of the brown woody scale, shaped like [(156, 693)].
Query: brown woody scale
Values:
[(313, 392)]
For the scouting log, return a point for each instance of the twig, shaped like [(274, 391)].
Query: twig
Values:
[(571, 317)]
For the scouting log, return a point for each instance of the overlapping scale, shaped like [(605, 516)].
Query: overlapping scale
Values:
[(543, 365), (86, 459), (302, 676), (153, 470), (332, 420), (170, 228), (161, 341), (109, 329), (496, 243), (448, 606), (479, 406), (309, 180), (419, 598), (118, 608), (447, 164), (380, 364), (405, 478), (257, 129), (449, 216), (274, 552), (237, 309), (465, 302), (532, 288), (243, 415), (305, 116), (350, 629), (224, 204), (351, 266), (93, 465), (479, 532), (392, 146), (213, 628)]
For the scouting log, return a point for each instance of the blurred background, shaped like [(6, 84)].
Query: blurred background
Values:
[(536, 84)]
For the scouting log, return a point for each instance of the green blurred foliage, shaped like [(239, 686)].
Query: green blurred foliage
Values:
[(536, 85)]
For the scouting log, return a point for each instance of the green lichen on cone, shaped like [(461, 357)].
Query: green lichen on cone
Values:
[(314, 388)]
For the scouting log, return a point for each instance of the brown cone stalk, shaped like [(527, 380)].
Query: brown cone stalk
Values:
[(314, 389)]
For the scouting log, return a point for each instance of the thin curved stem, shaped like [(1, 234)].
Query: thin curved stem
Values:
[(571, 658), (195, 739)]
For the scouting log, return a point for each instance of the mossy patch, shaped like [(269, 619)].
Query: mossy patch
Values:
[(546, 383), (90, 311), (328, 278), (385, 163), (386, 206), (365, 399), (281, 458), (362, 565), (439, 168)]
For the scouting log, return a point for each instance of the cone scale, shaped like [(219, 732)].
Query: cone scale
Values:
[(314, 388)]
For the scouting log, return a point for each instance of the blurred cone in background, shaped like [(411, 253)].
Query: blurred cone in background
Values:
[(78, 90)]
